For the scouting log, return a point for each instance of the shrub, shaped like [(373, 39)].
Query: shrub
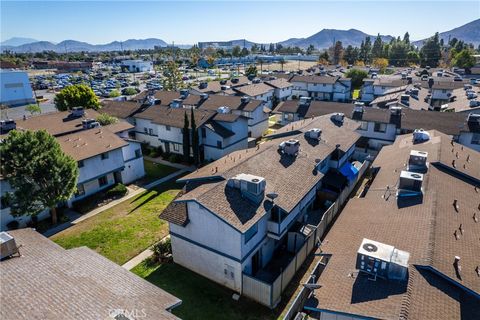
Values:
[(13, 225), (129, 91), (174, 158), (162, 250), (106, 119), (146, 149), (119, 190), (114, 94)]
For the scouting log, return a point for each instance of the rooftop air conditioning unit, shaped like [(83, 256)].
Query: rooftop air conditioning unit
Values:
[(252, 187), (203, 85), (304, 100), (473, 118), (396, 111), (223, 88), (8, 247), (410, 183), (420, 135), (90, 123), (418, 161), (184, 93), (290, 147), (338, 117), (222, 82), (313, 133), (358, 107), (204, 96), (176, 103), (256, 80), (245, 99), (382, 260), (223, 109), (414, 92), (474, 103), (7, 125), (77, 112)]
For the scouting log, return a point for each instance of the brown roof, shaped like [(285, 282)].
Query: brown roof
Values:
[(446, 122), (174, 116), (56, 123), (291, 179), (49, 282), (89, 143), (216, 87), (279, 83), (120, 109), (254, 89), (314, 79), (424, 228), (234, 103), (165, 97), (227, 117), (120, 126)]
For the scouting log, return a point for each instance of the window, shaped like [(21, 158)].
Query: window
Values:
[(251, 232), (176, 146), (219, 144), (81, 164), (324, 85), (138, 153), (380, 127), (204, 133), (104, 156), (102, 181), (168, 128), (80, 190), (444, 91), (145, 130), (476, 138), (150, 131), (364, 125)]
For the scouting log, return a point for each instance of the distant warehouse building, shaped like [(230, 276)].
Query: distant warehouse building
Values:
[(137, 65), (15, 88)]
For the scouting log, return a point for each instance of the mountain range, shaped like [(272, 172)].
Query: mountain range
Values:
[(469, 33)]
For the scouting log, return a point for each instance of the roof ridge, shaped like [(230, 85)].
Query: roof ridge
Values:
[(407, 298)]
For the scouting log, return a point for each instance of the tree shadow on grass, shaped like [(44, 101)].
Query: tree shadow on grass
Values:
[(147, 200)]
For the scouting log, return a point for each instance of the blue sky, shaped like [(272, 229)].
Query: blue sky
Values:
[(187, 22)]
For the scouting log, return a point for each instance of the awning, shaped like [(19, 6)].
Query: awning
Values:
[(349, 171)]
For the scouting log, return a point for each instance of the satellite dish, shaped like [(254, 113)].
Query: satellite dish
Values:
[(312, 286), (272, 196)]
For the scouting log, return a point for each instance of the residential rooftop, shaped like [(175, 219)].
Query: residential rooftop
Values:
[(49, 282), (433, 228), (233, 102), (291, 178), (254, 89), (174, 117)]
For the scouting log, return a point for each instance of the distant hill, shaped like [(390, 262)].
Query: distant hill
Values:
[(17, 41), (76, 46), (469, 33), (325, 39)]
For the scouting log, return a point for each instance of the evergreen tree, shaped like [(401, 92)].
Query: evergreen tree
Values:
[(337, 52), (40, 173), (195, 140), (377, 50), (349, 55), (431, 52), (186, 138), (406, 38)]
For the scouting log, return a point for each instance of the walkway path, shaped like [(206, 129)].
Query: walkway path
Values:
[(131, 194), (132, 263), (171, 164)]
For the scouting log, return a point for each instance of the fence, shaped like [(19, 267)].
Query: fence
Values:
[(270, 294)]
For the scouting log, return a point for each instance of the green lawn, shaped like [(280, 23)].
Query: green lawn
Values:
[(156, 171), (125, 230), (201, 298)]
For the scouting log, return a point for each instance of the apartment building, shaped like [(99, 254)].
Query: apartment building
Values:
[(242, 215), (408, 247), (325, 88)]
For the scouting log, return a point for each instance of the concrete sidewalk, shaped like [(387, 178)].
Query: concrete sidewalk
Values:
[(171, 164), (129, 265)]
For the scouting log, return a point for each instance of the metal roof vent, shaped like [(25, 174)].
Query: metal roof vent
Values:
[(176, 103), (8, 247), (420, 135), (418, 161), (382, 260), (290, 147), (252, 187), (245, 99), (223, 109), (313, 133)]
